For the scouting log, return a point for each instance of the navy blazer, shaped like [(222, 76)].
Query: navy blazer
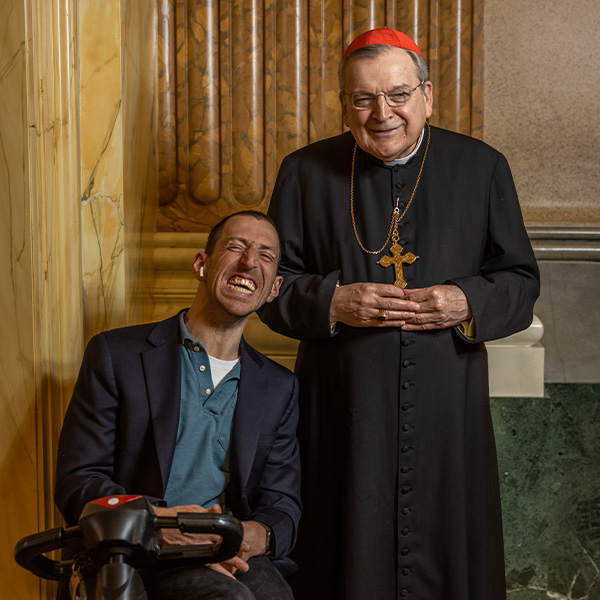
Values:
[(120, 430)]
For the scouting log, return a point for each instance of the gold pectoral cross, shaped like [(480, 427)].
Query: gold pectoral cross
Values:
[(397, 259)]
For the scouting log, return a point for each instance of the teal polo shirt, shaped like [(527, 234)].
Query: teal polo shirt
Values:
[(200, 470)]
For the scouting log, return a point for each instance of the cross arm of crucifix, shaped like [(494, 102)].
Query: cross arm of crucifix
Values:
[(398, 259)]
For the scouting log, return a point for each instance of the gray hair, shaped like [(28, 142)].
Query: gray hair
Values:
[(372, 52)]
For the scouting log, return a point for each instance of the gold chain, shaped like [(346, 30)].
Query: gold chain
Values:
[(396, 216)]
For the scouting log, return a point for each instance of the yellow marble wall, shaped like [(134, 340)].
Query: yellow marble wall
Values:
[(40, 299), (118, 159), (139, 22), (18, 460), (78, 202), (102, 212)]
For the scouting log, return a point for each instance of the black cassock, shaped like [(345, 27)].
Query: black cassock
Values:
[(400, 479)]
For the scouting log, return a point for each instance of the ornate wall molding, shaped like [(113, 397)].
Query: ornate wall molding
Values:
[(56, 226), (241, 85)]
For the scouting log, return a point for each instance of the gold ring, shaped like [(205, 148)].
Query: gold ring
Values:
[(381, 315)]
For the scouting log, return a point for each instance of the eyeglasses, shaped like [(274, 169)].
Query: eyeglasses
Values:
[(365, 101)]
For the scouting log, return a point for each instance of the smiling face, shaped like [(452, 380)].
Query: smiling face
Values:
[(386, 132), (241, 271)]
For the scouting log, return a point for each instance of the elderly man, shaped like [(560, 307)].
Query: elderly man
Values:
[(404, 250), (186, 413)]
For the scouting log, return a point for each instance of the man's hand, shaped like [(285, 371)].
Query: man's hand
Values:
[(435, 307), (254, 544), (230, 566), (255, 536), (440, 307), (357, 305), (174, 537)]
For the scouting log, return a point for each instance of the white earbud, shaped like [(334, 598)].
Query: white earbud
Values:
[(201, 271)]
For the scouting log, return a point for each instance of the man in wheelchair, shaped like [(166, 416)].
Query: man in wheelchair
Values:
[(187, 414)]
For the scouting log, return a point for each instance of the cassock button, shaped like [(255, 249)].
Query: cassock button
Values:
[(406, 489), (406, 385), (405, 511), (405, 531), (404, 470), (406, 363), (400, 186), (405, 572), (405, 551), (405, 449), (402, 242), (407, 406), (405, 427), (404, 592)]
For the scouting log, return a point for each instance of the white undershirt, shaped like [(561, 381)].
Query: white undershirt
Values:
[(219, 368)]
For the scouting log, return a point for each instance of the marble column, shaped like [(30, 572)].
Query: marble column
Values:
[(41, 326), (78, 200)]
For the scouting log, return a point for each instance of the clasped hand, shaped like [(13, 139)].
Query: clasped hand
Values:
[(253, 543), (434, 307)]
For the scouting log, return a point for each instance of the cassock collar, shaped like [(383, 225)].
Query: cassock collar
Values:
[(405, 159), (413, 158)]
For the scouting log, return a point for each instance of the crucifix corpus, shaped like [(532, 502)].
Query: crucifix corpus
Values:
[(397, 259)]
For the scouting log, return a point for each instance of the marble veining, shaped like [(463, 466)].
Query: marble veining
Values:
[(102, 226), (104, 286), (549, 465)]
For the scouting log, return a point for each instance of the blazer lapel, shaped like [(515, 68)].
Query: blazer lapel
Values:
[(248, 417), (162, 372)]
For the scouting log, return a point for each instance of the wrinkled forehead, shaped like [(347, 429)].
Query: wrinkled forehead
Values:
[(389, 64), (252, 232)]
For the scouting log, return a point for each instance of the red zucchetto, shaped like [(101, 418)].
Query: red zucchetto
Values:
[(383, 35)]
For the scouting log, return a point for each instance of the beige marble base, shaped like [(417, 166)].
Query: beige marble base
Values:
[(516, 364)]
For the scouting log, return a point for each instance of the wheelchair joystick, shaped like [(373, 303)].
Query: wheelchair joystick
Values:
[(118, 534)]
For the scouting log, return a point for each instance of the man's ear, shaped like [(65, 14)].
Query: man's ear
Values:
[(199, 266), (428, 93), (275, 288), (344, 109)]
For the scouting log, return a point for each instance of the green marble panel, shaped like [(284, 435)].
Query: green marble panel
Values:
[(549, 465)]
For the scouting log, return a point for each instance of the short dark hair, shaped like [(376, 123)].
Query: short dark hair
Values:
[(215, 232)]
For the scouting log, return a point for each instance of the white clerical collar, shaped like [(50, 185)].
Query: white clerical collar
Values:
[(405, 159)]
